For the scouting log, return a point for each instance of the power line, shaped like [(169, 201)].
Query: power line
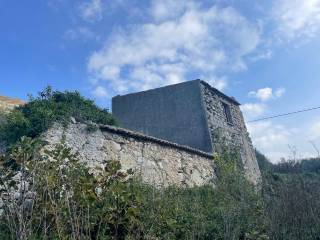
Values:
[(284, 114)]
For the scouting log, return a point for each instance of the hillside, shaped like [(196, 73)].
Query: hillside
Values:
[(9, 103)]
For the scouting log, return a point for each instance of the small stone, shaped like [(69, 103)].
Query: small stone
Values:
[(116, 146), (73, 120), (16, 195), (140, 160), (98, 191)]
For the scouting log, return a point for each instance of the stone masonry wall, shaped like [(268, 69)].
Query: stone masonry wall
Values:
[(157, 161), (234, 134)]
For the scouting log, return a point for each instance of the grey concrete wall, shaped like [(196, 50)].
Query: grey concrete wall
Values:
[(174, 113)]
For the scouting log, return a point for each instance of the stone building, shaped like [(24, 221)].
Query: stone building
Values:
[(168, 134), (193, 114)]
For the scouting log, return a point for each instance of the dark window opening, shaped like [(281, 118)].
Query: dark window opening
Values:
[(227, 112)]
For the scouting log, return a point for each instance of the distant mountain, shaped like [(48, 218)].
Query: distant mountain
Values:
[(7, 103)]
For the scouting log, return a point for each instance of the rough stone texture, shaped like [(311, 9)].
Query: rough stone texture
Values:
[(234, 134), (189, 113), (158, 162)]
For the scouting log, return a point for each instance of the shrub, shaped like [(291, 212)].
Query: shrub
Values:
[(263, 162), (292, 204), (40, 113), (64, 199), (69, 202)]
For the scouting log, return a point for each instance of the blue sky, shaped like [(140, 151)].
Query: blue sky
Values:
[(265, 53)]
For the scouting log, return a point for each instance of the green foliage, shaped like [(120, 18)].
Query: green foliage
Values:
[(243, 209), (70, 202), (54, 195), (291, 195), (304, 166), (230, 210), (263, 162), (40, 113), (290, 192)]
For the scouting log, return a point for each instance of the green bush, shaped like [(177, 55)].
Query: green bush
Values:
[(263, 162), (40, 113), (292, 204), (67, 201), (71, 203)]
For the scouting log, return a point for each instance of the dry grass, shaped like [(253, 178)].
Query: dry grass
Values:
[(7, 103)]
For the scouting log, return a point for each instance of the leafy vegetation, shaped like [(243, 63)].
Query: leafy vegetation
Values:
[(292, 203), (64, 200), (54, 195), (50, 106), (60, 198), (291, 191)]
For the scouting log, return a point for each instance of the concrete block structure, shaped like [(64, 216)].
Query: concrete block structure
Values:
[(191, 113)]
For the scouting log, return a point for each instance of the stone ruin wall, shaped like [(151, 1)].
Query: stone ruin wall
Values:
[(158, 162), (234, 134)]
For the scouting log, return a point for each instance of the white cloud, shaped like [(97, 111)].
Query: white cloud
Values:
[(267, 54), (175, 39), (219, 83), (267, 93), (262, 94), (171, 46), (314, 131), (277, 141), (252, 110), (279, 92), (91, 10), (296, 18), (83, 33), (100, 92), (266, 135), (271, 139), (168, 9)]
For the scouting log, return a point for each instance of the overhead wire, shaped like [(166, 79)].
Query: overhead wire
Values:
[(284, 114)]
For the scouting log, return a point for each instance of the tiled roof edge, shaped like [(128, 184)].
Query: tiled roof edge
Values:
[(219, 92), (140, 136)]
